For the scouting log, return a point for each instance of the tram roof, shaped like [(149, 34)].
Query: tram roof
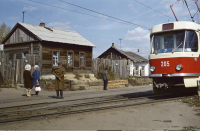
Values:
[(180, 25)]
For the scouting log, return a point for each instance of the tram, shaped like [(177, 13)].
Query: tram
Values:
[(175, 55)]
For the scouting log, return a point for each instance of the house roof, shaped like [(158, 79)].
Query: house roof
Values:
[(56, 35), (133, 56)]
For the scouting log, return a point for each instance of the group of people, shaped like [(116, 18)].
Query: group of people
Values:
[(31, 81)]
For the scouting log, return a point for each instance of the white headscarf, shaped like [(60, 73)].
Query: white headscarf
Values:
[(36, 66), (28, 67)]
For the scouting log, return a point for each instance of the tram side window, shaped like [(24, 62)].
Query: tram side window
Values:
[(156, 44), (191, 44)]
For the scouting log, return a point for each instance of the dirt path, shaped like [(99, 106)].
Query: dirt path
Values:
[(173, 115)]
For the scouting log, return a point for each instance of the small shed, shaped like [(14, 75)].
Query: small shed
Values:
[(50, 45), (139, 65)]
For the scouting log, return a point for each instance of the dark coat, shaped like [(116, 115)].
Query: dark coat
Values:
[(105, 75), (36, 76), (59, 72), (28, 79)]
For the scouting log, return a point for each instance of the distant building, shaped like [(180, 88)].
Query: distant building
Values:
[(139, 66), (50, 45)]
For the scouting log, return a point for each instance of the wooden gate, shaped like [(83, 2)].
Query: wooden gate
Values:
[(120, 67), (12, 70)]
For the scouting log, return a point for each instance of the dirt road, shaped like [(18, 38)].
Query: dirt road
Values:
[(173, 115)]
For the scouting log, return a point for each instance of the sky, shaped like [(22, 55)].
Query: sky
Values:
[(102, 22)]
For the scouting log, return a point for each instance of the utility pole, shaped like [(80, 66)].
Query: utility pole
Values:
[(120, 43), (23, 16)]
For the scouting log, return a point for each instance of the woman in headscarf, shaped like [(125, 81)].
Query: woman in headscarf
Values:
[(36, 78), (28, 80)]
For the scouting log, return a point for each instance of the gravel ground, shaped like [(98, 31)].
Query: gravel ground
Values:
[(172, 115)]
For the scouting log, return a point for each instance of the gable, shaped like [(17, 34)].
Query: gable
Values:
[(19, 35)]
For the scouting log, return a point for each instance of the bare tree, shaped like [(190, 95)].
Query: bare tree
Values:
[(4, 30)]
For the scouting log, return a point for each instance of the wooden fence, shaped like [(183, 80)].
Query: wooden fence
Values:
[(120, 67), (12, 70)]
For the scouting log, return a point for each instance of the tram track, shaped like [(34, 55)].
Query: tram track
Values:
[(76, 107)]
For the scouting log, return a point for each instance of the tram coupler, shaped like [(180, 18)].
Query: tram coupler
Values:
[(198, 89)]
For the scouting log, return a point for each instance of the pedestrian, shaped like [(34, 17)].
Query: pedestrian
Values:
[(36, 78), (59, 73), (28, 84), (105, 78)]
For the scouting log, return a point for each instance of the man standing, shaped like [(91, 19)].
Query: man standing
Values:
[(105, 78), (59, 73)]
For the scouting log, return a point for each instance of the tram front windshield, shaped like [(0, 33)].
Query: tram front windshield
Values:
[(177, 41)]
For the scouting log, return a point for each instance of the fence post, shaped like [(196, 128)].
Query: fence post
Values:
[(22, 68), (17, 71), (3, 64), (13, 69), (198, 89), (7, 63)]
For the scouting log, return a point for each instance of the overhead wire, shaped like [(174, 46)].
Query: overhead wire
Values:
[(103, 14), (122, 22), (155, 10), (33, 16)]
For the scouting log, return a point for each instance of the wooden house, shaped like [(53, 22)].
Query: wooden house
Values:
[(139, 66), (50, 45)]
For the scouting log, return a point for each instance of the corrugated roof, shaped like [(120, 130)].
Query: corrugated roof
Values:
[(57, 35), (134, 57)]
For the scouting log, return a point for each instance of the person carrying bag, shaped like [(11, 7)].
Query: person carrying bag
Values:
[(36, 80)]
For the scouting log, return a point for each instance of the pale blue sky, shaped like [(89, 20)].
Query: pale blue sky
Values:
[(98, 29)]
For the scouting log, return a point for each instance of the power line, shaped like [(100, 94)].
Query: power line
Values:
[(33, 16), (131, 24), (104, 14), (155, 10)]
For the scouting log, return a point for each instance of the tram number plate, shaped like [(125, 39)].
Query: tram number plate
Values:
[(164, 63)]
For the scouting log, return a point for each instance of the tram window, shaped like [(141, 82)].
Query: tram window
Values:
[(180, 41), (168, 41), (191, 42)]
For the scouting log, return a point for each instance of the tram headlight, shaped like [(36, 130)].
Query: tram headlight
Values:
[(153, 68), (178, 67)]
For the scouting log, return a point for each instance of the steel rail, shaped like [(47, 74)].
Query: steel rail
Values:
[(93, 109), (138, 94)]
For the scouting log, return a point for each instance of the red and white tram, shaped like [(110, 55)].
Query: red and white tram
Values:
[(175, 55)]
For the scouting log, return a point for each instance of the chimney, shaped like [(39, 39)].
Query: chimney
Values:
[(42, 24), (113, 46)]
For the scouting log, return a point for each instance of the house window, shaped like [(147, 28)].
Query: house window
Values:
[(136, 70), (143, 70), (24, 54), (56, 55), (82, 59), (70, 59)]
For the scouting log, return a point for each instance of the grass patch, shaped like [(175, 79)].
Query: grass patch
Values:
[(72, 89), (6, 83), (192, 101), (111, 73), (87, 76), (190, 128), (77, 75), (134, 82), (81, 88)]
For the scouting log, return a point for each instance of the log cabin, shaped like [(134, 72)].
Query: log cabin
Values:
[(50, 45), (139, 65)]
